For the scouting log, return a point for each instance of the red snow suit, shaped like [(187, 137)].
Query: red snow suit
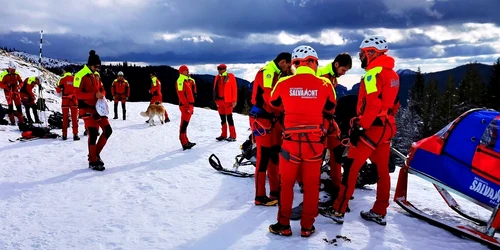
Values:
[(155, 90), (186, 90), (10, 83), (87, 85), (120, 89), (305, 97), (26, 90), (377, 105), (69, 102), (225, 95), (266, 129)]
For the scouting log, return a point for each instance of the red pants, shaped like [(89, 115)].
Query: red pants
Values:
[(305, 159), (158, 98), (186, 113), (92, 123), (336, 150), (356, 158), (14, 98), (225, 110), (268, 148), (74, 119)]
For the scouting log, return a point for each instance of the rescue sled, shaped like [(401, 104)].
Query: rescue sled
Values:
[(462, 158)]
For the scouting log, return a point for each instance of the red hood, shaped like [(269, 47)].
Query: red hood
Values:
[(384, 61)]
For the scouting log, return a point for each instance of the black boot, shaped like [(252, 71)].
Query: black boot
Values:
[(28, 114), (124, 111), (116, 111), (35, 114)]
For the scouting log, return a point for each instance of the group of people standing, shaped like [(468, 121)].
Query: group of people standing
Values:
[(18, 92), (292, 121)]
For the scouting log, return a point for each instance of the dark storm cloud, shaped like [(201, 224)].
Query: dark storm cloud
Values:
[(125, 34)]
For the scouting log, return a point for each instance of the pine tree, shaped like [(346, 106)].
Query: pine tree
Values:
[(447, 104), (417, 93), (492, 94), (429, 109), (471, 89)]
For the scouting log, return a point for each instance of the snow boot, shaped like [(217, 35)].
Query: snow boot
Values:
[(220, 138), (124, 111), (283, 230), (371, 216), (116, 111), (64, 137), (265, 201), (97, 166), (329, 212), (304, 232), (76, 137), (230, 139), (188, 145)]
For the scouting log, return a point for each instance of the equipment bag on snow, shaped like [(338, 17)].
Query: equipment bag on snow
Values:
[(56, 120)]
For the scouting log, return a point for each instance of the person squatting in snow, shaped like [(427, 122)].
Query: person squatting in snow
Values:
[(304, 97), (69, 103), (265, 121), (88, 89), (10, 81), (225, 95)]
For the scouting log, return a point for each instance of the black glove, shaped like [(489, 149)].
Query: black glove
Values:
[(355, 132)]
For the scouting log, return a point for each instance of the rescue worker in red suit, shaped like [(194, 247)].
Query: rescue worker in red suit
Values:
[(103, 91), (155, 90), (10, 80), (225, 97), (339, 67), (88, 89), (28, 97), (120, 89), (186, 91), (304, 97), (69, 103), (372, 130), (266, 128)]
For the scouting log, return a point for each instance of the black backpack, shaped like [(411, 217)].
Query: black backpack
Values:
[(56, 120)]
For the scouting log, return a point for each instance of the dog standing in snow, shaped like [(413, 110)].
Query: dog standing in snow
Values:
[(155, 109)]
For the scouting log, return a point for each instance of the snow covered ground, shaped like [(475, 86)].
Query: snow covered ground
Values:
[(153, 195)]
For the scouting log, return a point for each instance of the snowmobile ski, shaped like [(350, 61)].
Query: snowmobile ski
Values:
[(215, 163), (461, 230)]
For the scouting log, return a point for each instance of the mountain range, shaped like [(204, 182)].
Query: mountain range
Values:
[(407, 76)]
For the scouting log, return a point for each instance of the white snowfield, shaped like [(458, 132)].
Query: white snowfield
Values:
[(153, 195)]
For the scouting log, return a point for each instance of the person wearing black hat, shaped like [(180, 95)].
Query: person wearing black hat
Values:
[(69, 102), (88, 90)]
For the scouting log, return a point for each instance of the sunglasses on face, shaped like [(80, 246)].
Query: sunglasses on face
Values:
[(220, 68)]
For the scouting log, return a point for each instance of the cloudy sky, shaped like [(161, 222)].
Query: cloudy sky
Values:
[(244, 34)]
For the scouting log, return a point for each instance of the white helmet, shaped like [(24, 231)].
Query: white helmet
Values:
[(304, 52), (378, 43), (12, 65), (120, 73)]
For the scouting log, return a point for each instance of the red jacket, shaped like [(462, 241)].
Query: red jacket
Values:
[(87, 86), (155, 89), (121, 87), (304, 97), (225, 88), (65, 86), (186, 90), (27, 86), (265, 80), (378, 92), (10, 82)]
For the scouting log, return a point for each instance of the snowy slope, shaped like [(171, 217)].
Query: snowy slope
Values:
[(153, 195), (27, 69), (46, 61)]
